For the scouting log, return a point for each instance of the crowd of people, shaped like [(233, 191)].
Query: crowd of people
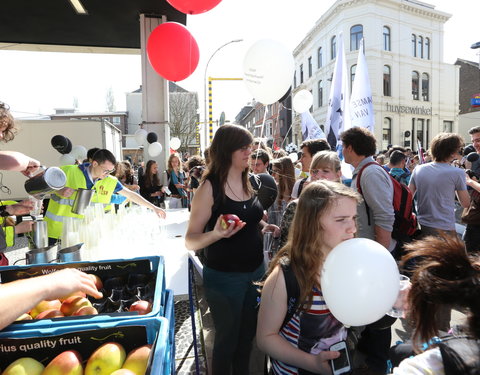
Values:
[(316, 208)]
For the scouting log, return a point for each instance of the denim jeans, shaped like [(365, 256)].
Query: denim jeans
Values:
[(232, 298)]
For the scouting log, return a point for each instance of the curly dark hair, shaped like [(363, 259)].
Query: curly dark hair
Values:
[(7, 122), (362, 141)]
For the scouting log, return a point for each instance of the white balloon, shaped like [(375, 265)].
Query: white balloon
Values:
[(360, 281), (293, 157), (175, 143), (79, 152), (154, 149), (141, 137), (268, 69), (302, 101), (67, 159)]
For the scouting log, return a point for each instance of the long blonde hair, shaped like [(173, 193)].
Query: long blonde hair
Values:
[(304, 246)]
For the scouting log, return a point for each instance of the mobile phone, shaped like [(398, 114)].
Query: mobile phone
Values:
[(341, 364), (167, 190)]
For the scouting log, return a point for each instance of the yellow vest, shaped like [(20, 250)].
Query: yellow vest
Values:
[(60, 206), (9, 230)]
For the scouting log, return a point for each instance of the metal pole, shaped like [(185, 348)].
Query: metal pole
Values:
[(205, 90)]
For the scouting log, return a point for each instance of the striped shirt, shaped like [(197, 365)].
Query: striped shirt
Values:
[(312, 331)]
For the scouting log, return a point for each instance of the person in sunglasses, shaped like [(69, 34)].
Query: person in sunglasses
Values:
[(95, 175)]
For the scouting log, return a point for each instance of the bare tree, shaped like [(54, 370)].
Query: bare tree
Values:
[(110, 100), (183, 118)]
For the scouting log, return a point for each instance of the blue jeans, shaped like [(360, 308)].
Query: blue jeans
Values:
[(232, 298)]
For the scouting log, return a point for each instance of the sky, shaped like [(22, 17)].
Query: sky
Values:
[(35, 83)]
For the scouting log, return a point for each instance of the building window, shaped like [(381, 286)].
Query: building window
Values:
[(420, 47), (301, 73), (320, 93), (333, 47), (425, 87), (310, 66), (386, 133), (421, 131), (356, 35), (352, 75), (447, 126), (319, 57), (387, 81), (427, 48), (116, 120), (415, 84), (386, 39), (414, 45), (294, 79)]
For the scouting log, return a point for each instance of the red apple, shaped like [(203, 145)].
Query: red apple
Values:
[(96, 280), (142, 307), (50, 314), (45, 305), (72, 304), (86, 310), (77, 293), (24, 317), (228, 219)]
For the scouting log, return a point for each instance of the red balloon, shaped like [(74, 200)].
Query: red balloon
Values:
[(172, 51), (193, 6)]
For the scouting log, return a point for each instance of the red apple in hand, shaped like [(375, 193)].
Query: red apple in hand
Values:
[(142, 307), (97, 281), (228, 219)]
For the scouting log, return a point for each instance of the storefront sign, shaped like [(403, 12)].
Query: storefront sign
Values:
[(475, 100), (408, 109)]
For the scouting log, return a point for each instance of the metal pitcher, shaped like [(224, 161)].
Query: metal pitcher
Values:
[(48, 180), (69, 254), (82, 200), (39, 235), (43, 255)]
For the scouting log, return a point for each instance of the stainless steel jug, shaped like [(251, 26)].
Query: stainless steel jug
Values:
[(69, 254), (43, 255), (48, 180), (82, 200), (39, 235)]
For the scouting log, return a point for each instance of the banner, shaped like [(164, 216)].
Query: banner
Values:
[(310, 128), (338, 114), (361, 104)]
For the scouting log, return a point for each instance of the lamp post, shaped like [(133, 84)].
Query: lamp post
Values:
[(208, 124)]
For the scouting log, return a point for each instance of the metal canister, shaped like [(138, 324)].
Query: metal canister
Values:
[(48, 180)]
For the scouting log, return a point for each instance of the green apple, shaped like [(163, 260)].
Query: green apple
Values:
[(106, 359), (24, 366)]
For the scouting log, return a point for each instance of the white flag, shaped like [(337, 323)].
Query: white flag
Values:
[(361, 104), (310, 128), (338, 116)]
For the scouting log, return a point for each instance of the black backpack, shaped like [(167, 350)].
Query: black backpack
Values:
[(460, 355)]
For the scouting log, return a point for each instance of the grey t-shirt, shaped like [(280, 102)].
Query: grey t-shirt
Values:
[(436, 184)]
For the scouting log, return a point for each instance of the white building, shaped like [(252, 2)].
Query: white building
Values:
[(415, 94)]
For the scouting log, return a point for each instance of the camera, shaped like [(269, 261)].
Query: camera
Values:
[(470, 173)]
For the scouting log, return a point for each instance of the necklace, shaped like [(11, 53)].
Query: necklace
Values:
[(236, 196)]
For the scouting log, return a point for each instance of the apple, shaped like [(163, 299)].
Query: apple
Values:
[(97, 281), (45, 305), (228, 219), (123, 371), (142, 307), (24, 366), (72, 304), (77, 293), (106, 359), (86, 310), (66, 363), (24, 317), (137, 360), (53, 313)]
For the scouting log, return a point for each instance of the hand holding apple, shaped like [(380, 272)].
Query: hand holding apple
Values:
[(227, 225), (64, 282)]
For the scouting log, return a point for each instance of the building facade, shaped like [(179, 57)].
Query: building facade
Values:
[(415, 94), (469, 88)]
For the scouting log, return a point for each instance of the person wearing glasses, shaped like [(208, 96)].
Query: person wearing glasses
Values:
[(94, 175)]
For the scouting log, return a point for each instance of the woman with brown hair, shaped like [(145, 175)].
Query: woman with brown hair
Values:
[(233, 253), (324, 218), (176, 182), (150, 187)]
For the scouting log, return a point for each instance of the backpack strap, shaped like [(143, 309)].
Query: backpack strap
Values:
[(359, 187), (293, 290), (300, 185)]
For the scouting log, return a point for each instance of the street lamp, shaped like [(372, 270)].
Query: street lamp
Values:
[(207, 123)]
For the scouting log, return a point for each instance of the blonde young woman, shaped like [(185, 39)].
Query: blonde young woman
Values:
[(325, 166), (325, 217)]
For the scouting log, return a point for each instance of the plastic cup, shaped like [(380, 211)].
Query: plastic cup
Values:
[(398, 310)]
